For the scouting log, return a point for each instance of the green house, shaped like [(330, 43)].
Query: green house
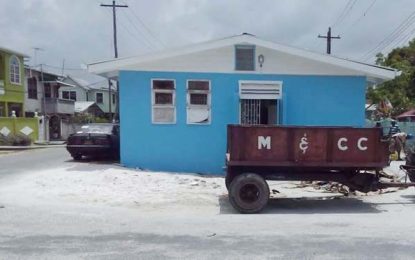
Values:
[(11, 83)]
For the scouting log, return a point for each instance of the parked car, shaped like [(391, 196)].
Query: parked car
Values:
[(95, 140)]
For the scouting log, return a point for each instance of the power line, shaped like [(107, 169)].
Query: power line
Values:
[(144, 39), (403, 39), (57, 67), (346, 11), (342, 12), (129, 32), (390, 38), (146, 28), (365, 12)]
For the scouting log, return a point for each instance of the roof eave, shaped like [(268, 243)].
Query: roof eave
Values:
[(111, 68)]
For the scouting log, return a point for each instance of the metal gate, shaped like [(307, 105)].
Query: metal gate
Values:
[(250, 111)]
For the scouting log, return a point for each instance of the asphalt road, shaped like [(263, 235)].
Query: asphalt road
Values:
[(377, 227), (22, 161)]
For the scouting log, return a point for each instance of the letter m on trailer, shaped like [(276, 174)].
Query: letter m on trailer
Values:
[(264, 142)]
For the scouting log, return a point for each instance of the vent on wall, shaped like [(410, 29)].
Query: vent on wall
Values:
[(260, 89)]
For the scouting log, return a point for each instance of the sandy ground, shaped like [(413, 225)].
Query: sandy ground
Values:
[(99, 211)]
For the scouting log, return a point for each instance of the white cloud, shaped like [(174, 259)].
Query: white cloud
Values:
[(80, 31)]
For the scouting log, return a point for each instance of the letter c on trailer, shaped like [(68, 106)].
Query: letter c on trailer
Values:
[(359, 144), (340, 145)]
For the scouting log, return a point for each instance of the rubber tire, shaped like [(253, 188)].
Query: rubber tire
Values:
[(77, 157), (410, 161), (411, 175), (248, 207), (228, 181)]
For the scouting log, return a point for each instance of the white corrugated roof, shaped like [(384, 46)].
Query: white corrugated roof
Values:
[(90, 81), (81, 106)]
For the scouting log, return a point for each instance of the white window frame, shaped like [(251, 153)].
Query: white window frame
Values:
[(279, 97), (12, 72), (190, 106), (153, 101)]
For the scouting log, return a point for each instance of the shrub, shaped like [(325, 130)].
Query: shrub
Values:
[(17, 140), (21, 139), (5, 140), (86, 119)]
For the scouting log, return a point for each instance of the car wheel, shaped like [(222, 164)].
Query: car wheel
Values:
[(249, 193), (77, 156)]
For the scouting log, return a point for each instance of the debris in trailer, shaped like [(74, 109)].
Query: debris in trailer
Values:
[(391, 174)]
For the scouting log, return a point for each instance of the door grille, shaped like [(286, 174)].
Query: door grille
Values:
[(250, 111)]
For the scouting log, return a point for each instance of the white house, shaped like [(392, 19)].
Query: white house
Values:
[(42, 97), (182, 100), (91, 88)]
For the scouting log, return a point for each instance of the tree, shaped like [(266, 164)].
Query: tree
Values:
[(401, 90)]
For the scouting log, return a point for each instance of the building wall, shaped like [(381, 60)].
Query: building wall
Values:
[(33, 105), (20, 126), (14, 93), (105, 104), (81, 93), (222, 60), (180, 147)]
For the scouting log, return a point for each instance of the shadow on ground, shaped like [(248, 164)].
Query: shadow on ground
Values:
[(308, 205), (409, 197), (93, 163)]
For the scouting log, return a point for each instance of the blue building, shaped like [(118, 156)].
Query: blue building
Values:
[(175, 105)]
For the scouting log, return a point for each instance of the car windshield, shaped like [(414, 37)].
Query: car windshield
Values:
[(96, 128)]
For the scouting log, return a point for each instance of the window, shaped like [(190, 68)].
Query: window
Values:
[(65, 94), (2, 109), (198, 102), (99, 98), (55, 91), (48, 90), (260, 102), (14, 70), (113, 98), (32, 88), (245, 57), (72, 95), (163, 101), (69, 95)]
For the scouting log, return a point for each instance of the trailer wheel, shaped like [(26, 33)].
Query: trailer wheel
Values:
[(249, 193), (228, 180), (411, 175), (410, 160)]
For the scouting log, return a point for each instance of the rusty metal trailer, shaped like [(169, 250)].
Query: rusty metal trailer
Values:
[(256, 153)]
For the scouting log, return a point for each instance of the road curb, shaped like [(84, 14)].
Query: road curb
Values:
[(31, 147)]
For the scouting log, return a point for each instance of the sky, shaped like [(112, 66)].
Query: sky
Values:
[(77, 32)]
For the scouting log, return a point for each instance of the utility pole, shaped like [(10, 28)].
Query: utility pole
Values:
[(63, 67), (329, 37), (35, 50), (114, 23), (45, 117)]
